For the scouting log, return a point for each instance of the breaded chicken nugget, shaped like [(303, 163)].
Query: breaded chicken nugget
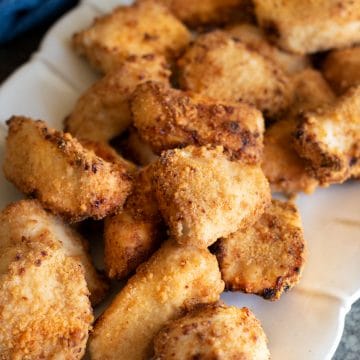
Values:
[(309, 26), (67, 179), (342, 69), (45, 309), (134, 234), (223, 67), (103, 112), (168, 118), (213, 331), (134, 148), (140, 29), (284, 168), (329, 139), (30, 213), (266, 258), (175, 278), (255, 39), (108, 153), (197, 13), (203, 196)]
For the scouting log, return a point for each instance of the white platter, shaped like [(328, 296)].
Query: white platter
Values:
[(306, 323)]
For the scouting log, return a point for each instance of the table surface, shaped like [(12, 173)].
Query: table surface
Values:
[(15, 53)]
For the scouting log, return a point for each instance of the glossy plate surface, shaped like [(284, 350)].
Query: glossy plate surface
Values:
[(306, 323)]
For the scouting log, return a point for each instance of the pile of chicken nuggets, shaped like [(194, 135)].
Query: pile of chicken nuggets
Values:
[(205, 108)]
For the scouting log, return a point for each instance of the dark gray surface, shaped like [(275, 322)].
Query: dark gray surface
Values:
[(17, 52)]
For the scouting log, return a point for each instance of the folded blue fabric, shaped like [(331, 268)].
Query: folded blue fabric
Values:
[(17, 16)]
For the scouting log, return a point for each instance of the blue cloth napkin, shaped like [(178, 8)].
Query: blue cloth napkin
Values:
[(17, 16)]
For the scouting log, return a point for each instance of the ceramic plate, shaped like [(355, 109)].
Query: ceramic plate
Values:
[(306, 323)]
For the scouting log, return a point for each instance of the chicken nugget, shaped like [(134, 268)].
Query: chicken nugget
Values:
[(134, 234), (342, 69), (67, 179), (204, 12), (267, 258), (255, 39), (140, 29), (45, 309), (213, 331), (221, 66), (329, 138), (108, 153), (310, 26), (103, 111), (168, 118), (203, 196), (174, 279), (285, 169)]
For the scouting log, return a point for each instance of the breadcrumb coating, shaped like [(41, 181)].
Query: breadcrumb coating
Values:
[(285, 169), (223, 67), (329, 139), (309, 26), (45, 309), (341, 69), (134, 234), (255, 39), (214, 331), (203, 196), (140, 29), (168, 118), (267, 258), (79, 185), (103, 111), (174, 279)]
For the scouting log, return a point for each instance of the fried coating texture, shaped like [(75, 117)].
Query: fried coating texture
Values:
[(310, 26), (67, 179), (255, 39), (168, 118), (134, 234), (329, 139), (134, 148), (214, 331), (203, 196), (267, 258), (286, 171), (108, 153), (141, 29), (342, 69), (103, 111), (221, 66), (175, 278), (197, 13), (45, 309)]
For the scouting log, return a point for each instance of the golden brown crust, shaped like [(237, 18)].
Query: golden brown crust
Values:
[(255, 39), (108, 153), (211, 332), (204, 12), (267, 258), (67, 179), (134, 234), (168, 118), (202, 195), (174, 279), (329, 139), (310, 26), (342, 69), (103, 111), (141, 29), (45, 309), (221, 66), (284, 168)]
